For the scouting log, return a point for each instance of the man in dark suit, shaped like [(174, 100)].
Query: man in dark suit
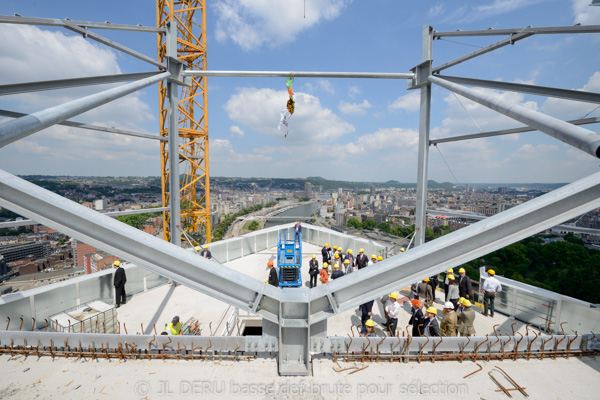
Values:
[(464, 285), (362, 260), (326, 254), (298, 230), (273, 279), (416, 320), (119, 282)]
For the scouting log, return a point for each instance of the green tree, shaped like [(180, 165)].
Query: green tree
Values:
[(369, 224), (253, 226), (384, 227), (354, 223)]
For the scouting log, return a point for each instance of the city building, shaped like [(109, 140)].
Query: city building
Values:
[(15, 252)]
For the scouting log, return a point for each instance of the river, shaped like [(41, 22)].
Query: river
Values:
[(305, 210)]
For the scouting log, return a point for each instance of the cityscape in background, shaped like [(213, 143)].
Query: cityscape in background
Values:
[(33, 255)]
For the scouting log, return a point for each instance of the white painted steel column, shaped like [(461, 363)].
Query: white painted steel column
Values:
[(173, 116), (424, 121)]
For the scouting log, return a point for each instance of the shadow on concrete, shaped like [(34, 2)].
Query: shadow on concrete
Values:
[(150, 328)]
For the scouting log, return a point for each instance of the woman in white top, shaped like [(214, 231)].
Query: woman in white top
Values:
[(453, 295)]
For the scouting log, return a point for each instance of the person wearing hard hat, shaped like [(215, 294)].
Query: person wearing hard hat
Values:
[(449, 272), (273, 279), (174, 328), (402, 249), (424, 293), (206, 252), (416, 320), (350, 257), (392, 308), (326, 254), (337, 272), (433, 282), (336, 259), (380, 258), (465, 320), (373, 260), (323, 275), (313, 271), (461, 302), (464, 285), (453, 294), (298, 231), (450, 320), (369, 329), (366, 310), (491, 287), (430, 325), (361, 259), (119, 282), (340, 254), (348, 267)]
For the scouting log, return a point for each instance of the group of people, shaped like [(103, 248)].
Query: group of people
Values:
[(341, 264)]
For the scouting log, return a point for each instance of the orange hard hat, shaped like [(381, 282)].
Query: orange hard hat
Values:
[(416, 303), (270, 263)]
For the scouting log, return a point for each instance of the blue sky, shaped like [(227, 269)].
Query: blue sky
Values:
[(345, 129)]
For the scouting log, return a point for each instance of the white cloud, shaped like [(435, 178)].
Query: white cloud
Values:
[(483, 10), (28, 53), (384, 140), (236, 131), (530, 152), (255, 23), (408, 102), (260, 109), (568, 109), (222, 152), (353, 91), (321, 84), (354, 108), (584, 14)]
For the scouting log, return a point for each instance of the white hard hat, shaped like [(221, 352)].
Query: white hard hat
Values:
[(449, 305)]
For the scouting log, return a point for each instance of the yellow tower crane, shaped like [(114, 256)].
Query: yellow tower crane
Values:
[(189, 17)]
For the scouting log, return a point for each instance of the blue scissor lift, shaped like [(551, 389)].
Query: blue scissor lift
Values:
[(289, 259)]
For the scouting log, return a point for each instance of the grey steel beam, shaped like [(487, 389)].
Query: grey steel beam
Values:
[(424, 125), (173, 143), (511, 40), (581, 138), (17, 19), (133, 245), (94, 36), (456, 248), (25, 222), (69, 83), (19, 128), (284, 74), (577, 95), (583, 121), (12, 114), (511, 31)]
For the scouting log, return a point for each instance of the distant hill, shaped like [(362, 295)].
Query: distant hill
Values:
[(327, 184)]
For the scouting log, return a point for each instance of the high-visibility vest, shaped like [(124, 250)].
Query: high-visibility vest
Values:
[(174, 330)]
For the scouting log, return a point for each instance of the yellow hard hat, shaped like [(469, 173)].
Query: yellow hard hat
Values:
[(432, 310), (117, 263), (426, 280), (467, 303), (402, 249), (394, 295), (335, 247), (373, 256), (370, 323), (451, 277), (326, 245), (336, 255), (197, 248), (491, 272), (340, 249), (361, 250), (346, 261), (450, 271), (461, 271), (379, 258), (205, 246), (314, 256), (461, 300), (325, 265), (349, 251)]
